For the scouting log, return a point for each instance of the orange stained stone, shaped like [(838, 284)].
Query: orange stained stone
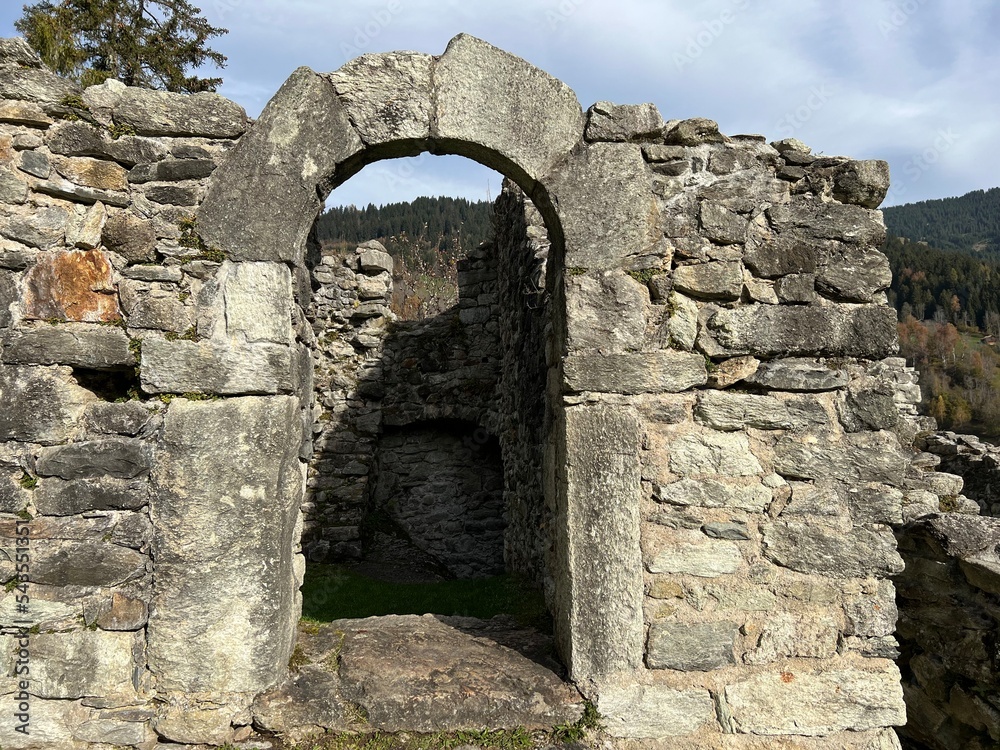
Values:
[(71, 285)]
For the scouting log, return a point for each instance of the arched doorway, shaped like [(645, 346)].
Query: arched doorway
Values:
[(476, 101)]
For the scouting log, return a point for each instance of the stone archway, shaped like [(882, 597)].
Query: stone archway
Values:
[(477, 101)]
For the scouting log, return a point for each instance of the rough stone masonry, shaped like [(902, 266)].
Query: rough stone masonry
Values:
[(679, 341)]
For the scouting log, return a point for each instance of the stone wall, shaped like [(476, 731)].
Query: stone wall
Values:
[(689, 374), (131, 351)]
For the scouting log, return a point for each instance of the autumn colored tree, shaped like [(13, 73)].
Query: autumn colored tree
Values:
[(149, 43)]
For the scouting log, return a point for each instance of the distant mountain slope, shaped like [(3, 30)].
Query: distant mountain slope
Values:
[(445, 222), (970, 223)]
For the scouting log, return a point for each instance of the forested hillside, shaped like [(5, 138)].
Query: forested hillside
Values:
[(970, 223), (425, 237), (945, 259)]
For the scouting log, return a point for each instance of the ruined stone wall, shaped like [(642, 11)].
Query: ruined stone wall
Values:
[(690, 377), (131, 354)]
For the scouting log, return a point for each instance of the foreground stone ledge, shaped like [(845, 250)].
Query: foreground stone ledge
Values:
[(815, 704)]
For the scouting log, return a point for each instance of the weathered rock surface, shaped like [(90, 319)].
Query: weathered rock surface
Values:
[(76, 345), (303, 133), (417, 674), (769, 331), (802, 703), (697, 647), (653, 711), (41, 404), (824, 549), (94, 458), (227, 513), (388, 96), (655, 372), (502, 111), (71, 286)]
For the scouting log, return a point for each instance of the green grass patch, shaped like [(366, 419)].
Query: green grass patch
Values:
[(334, 592)]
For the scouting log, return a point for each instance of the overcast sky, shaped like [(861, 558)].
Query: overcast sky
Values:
[(915, 82)]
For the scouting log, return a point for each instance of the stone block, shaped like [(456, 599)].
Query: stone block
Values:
[(36, 163), (854, 274), (71, 285), (83, 139), (86, 233), (682, 325), (636, 711), (43, 228), (862, 457), (113, 457), (623, 122), (75, 344), (229, 514), (872, 616), (605, 207), (691, 647), (711, 493), (720, 280), (861, 183), (599, 599), (262, 201), (41, 404), (780, 256), (82, 563), (795, 374), (723, 410), (92, 173), (389, 97), (374, 258), (258, 299), (816, 704), (815, 547), (163, 113), (13, 189), (130, 237), (605, 310), (723, 226), (58, 497), (779, 331), (171, 170), (695, 554), (35, 85), (786, 635), (707, 452), (117, 418), (502, 111), (53, 725), (796, 288), (693, 132), (214, 367), (644, 372), (809, 218), (80, 663)]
